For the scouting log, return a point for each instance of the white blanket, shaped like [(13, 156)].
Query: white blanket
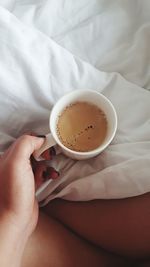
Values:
[(48, 48)]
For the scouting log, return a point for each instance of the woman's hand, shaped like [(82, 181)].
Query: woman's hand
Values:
[(42, 171), (20, 175), (17, 186)]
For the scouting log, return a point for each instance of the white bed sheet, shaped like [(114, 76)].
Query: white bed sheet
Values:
[(48, 48)]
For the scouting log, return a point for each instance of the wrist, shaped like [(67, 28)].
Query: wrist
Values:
[(12, 243)]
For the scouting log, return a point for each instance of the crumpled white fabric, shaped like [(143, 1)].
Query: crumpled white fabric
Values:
[(48, 48)]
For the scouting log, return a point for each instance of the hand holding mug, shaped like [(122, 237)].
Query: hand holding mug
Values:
[(93, 103)]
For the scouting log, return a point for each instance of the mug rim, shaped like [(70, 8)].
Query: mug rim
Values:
[(99, 148)]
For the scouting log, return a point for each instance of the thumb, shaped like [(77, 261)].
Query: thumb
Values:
[(25, 145)]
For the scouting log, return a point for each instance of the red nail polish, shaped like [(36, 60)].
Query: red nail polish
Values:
[(52, 173), (46, 155), (41, 136)]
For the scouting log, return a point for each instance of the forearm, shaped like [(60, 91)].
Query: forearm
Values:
[(18, 205), (12, 243)]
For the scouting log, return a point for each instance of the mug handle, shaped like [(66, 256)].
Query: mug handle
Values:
[(49, 142)]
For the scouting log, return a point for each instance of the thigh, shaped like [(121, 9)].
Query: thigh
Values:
[(121, 226), (53, 245)]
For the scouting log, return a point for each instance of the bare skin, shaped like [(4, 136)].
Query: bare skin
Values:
[(110, 232), (74, 233), (54, 245), (96, 233), (119, 226)]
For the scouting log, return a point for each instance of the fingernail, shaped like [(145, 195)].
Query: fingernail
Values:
[(41, 136), (54, 175), (50, 173), (46, 155), (49, 154), (52, 151)]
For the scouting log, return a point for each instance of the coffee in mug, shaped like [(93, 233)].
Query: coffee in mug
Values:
[(82, 123), (82, 126)]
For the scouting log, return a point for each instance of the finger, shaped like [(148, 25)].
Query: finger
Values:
[(38, 174), (50, 173), (24, 146), (49, 153), (46, 155), (44, 173)]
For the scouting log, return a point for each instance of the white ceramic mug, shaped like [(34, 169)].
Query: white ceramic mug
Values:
[(86, 96)]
